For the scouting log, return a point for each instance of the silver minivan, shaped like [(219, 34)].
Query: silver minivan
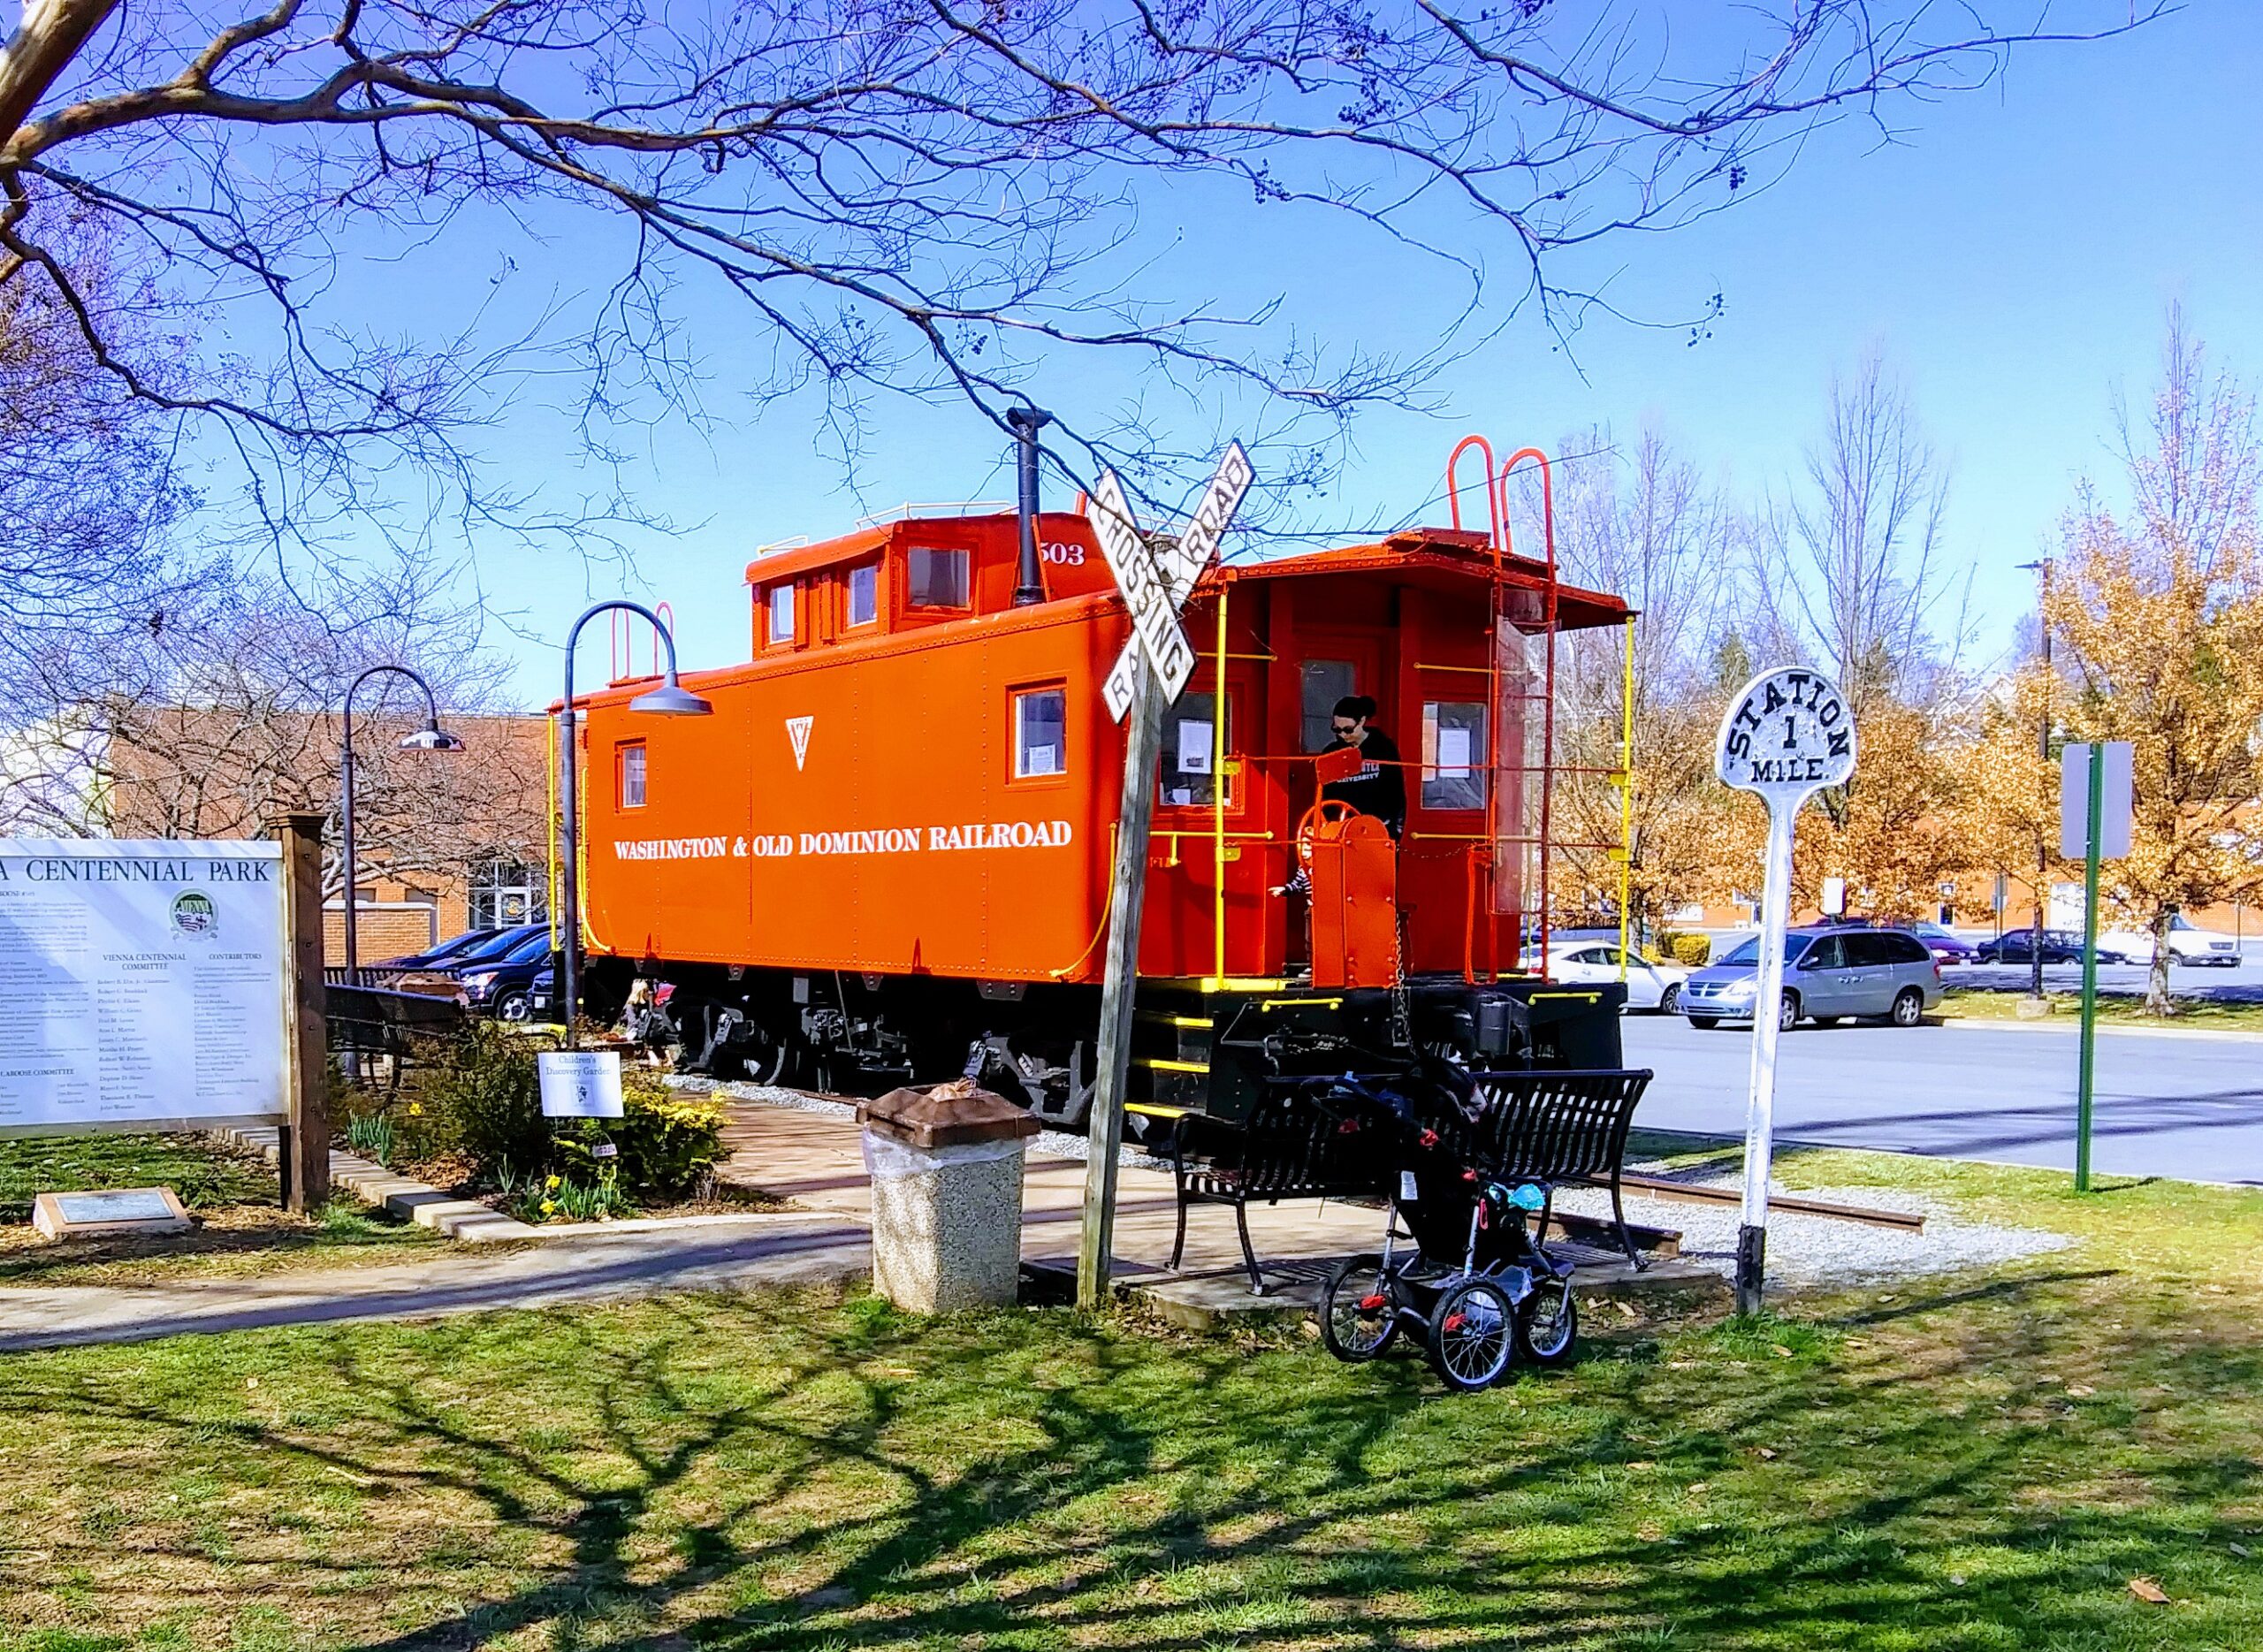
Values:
[(1829, 974)]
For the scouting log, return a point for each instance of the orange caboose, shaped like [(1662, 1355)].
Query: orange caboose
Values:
[(887, 853)]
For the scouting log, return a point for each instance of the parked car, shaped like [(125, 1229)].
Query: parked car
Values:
[(447, 976), (2188, 943), (1946, 945), (447, 952), (2059, 946), (1648, 985), (1830, 973), (502, 985)]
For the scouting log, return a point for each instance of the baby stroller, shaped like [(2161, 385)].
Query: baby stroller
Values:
[(1466, 1276)]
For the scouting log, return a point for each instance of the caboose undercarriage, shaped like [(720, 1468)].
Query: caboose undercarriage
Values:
[(1198, 1047)]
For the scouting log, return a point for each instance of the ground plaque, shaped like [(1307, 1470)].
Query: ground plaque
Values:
[(108, 1213)]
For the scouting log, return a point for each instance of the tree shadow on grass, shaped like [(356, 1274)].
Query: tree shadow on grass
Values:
[(787, 1471)]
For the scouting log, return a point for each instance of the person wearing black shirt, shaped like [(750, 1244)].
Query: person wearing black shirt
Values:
[(1380, 787)]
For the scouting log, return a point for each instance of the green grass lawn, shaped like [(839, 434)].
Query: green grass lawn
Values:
[(232, 1191), (1984, 1461), (2113, 1009)]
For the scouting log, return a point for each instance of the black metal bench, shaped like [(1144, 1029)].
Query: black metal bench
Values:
[(1289, 1147), (376, 1021), (1555, 1129)]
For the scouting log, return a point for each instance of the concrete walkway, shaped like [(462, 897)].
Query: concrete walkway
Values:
[(762, 1249), (814, 1159)]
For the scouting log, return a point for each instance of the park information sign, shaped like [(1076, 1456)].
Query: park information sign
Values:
[(1786, 736), (141, 981)]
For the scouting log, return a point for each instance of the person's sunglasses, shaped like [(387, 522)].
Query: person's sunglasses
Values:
[(1346, 728)]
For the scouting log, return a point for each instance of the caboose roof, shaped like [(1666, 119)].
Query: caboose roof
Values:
[(799, 560), (1442, 558)]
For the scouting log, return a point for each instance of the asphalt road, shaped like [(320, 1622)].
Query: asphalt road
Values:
[(2187, 1106)]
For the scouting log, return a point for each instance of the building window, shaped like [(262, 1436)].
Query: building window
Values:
[(628, 770), (508, 892), (864, 593), (1453, 754), (781, 613), (1040, 732), (1190, 738), (937, 579)]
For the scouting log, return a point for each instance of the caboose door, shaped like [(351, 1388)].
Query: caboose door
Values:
[(1334, 665), (1337, 664)]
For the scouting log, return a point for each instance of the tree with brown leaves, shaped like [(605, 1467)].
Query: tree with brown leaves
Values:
[(2157, 610)]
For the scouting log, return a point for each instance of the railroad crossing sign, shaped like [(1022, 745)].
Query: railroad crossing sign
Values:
[(1155, 586), (1786, 736)]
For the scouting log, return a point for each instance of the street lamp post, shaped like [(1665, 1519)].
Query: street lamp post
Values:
[(670, 699), (428, 738), (2042, 572)]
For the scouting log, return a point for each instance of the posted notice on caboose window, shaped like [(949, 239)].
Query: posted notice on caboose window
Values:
[(139, 979)]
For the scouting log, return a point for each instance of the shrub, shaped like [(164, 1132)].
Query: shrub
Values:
[(483, 1097), (1685, 946), (666, 1143)]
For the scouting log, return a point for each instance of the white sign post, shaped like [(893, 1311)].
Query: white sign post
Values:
[(1786, 736), (143, 982), (1156, 588)]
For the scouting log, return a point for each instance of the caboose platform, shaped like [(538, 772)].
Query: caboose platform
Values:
[(815, 1157)]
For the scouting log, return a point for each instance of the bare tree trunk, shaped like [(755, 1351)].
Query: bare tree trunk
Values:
[(2158, 1003)]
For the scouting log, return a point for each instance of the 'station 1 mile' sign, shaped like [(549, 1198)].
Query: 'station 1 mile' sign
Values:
[(1787, 736)]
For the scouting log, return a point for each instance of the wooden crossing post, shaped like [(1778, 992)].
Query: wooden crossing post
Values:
[(1127, 894), (304, 1152)]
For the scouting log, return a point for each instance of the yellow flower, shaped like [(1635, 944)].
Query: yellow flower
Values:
[(552, 1184), (549, 1206), (415, 1109)]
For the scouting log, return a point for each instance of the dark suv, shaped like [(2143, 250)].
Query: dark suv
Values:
[(1829, 974)]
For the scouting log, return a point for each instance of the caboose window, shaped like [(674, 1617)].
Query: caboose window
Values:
[(781, 613), (1190, 736), (1453, 754), (1040, 732), (628, 767), (864, 593), (937, 579)]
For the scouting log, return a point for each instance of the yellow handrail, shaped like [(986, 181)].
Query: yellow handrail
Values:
[(1625, 793)]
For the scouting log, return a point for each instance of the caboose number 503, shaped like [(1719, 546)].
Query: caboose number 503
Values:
[(887, 855)]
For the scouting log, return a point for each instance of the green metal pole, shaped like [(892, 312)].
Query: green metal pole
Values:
[(2088, 1069)]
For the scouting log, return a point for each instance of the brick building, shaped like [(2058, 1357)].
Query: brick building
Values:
[(446, 841)]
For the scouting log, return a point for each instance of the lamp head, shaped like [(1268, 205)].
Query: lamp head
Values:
[(432, 737), (671, 699)]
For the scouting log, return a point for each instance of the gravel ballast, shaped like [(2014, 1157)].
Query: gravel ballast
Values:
[(1811, 1251)]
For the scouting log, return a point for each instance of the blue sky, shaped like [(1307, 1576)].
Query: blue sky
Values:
[(2011, 252)]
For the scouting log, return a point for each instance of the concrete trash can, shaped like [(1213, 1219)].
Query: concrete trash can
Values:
[(946, 1166)]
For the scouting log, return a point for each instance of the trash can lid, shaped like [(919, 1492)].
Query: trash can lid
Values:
[(947, 1116)]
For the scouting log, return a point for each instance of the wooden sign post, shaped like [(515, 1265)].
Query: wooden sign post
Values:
[(1148, 676), (305, 1142), (1786, 736)]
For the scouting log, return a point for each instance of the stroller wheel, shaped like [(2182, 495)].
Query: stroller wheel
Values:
[(1473, 1334), (1359, 1311), (1547, 1323)]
